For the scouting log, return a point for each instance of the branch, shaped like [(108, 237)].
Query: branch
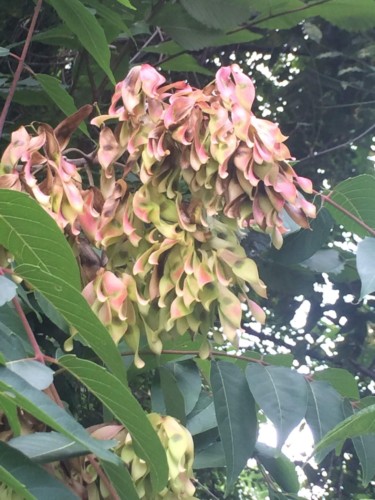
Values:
[(345, 144), (346, 212), (196, 353), (19, 69)]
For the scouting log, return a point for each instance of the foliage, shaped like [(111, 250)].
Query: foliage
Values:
[(163, 212)]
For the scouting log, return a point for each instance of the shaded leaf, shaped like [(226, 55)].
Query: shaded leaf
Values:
[(45, 447), (51, 312), (366, 265), (279, 466), (188, 380), (301, 245), (185, 62), (36, 374), (210, 457), (39, 405), (120, 401), (325, 261), (203, 417), (282, 395), (23, 229), (87, 29), (324, 411), (236, 416), (173, 398), (31, 480), (342, 380), (356, 195), (218, 14), (184, 29), (364, 447), (11, 412), (56, 92)]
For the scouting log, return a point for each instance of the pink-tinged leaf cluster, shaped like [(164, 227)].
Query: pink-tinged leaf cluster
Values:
[(181, 169)]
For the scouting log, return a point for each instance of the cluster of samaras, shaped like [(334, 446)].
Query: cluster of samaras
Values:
[(203, 166)]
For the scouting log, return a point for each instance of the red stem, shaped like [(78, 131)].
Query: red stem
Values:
[(30, 334), (346, 212), (104, 478), (19, 69)]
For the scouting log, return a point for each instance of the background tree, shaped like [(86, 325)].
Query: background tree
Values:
[(312, 64)]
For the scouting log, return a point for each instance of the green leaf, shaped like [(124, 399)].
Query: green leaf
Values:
[(59, 35), (218, 14), (17, 390), (122, 481), (126, 3), (342, 380), (23, 229), (36, 374), (236, 416), (203, 417), (76, 311), (327, 260), (87, 29), (188, 380), (359, 424), (11, 412), (278, 14), (56, 92), (173, 398), (366, 265), (282, 470), (279, 359), (301, 245), (324, 411), (342, 14), (28, 479), (14, 343), (4, 52), (282, 395), (183, 29), (51, 312), (185, 62), (46, 447), (210, 457), (8, 290), (364, 447), (355, 195), (118, 399)]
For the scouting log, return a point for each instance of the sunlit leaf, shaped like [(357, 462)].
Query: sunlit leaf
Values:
[(366, 265)]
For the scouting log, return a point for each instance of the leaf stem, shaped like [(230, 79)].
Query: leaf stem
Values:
[(346, 212), (20, 65)]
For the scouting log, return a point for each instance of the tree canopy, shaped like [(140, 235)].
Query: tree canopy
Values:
[(187, 221)]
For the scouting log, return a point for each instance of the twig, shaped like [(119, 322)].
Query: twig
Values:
[(346, 212), (30, 334), (19, 69), (204, 487), (345, 144), (196, 353), (147, 42), (104, 478)]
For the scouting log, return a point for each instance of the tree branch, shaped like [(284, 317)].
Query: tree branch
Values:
[(345, 144), (19, 69)]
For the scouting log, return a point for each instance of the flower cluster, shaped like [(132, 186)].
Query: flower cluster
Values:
[(181, 170)]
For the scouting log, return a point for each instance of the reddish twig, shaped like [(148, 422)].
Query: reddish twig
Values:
[(20, 66), (104, 478), (30, 334), (346, 212)]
